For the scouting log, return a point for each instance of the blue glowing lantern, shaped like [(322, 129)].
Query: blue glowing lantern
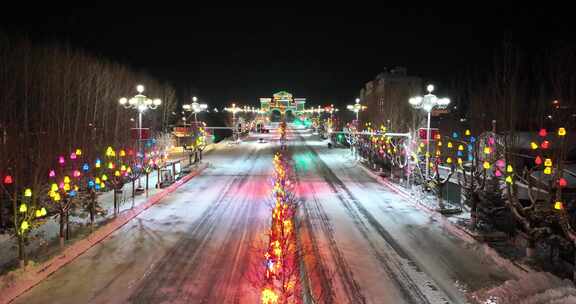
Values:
[(91, 184), (455, 135), (85, 167)]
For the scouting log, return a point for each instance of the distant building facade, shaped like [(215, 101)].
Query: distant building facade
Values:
[(282, 103), (387, 100)]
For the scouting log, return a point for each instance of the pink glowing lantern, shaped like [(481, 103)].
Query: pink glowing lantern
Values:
[(76, 173), (73, 156), (52, 173), (61, 160)]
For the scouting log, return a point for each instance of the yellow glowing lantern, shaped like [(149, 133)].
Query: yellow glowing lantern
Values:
[(509, 169), (548, 162), (66, 187), (23, 208), (123, 168), (439, 144), (449, 144), (467, 132), (24, 226), (28, 192), (487, 150), (122, 153), (102, 185), (459, 161), (509, 179), (448, 160), (54, 187), (97, 180), (486, 165), (421, 145), (534, 145), (110, 165), (66, 179), (78, 152), (548, 170), (56, 197), (104, 177), (558, 206), (110, 152), (460, 147), (116, 173), (561, 132)]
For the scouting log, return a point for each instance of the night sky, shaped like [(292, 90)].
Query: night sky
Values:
[(326, 55)]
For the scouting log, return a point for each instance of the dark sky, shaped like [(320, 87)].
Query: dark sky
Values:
[(326, 55)]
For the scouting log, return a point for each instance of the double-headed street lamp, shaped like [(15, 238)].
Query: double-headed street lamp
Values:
[(357, 107), (428, 102)]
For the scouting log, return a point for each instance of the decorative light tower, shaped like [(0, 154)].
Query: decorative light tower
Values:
[(428, 102), (195, 108)]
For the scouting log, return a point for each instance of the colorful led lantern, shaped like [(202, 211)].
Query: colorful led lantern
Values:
[(497, 173), (562, 182), (509, 169), (548, 170), (450, 144), (56, 197), (76, 173), (73, 156), (78, 152), (533, 145), (85, 167), (104, 177), (509, 179), (24, 226), (487, 150), (28, 192), (448, 160), (54, 187), (23, 208), (460, 148), (542, 132), (548, 162), (122, 153), (110, 152), (61, 160), (439, 144), (538, 160), (467, 132), (545, 144), (486, 165), (91, 184), (117, 173), (561, 132), (110, 165), (454, 135), (8, 180), (66, 187), (558, 205), (52, 173), (472, 139), (66, 179)]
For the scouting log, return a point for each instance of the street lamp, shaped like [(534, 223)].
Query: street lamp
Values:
[(234, 110), (195, 108), (141, 103), (428, 102), (356, 108)]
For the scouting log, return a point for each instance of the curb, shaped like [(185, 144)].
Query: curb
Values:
[(35, 276), (511, 266)]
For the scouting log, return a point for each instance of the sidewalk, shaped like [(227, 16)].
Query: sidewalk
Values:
[(46, 242), (18, 282)]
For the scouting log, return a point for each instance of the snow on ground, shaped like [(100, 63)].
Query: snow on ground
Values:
[(361, 243)]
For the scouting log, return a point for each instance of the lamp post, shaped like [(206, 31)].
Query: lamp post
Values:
[(234, 110), (195, 108), (141, 103), (428, 102), (356, 108)]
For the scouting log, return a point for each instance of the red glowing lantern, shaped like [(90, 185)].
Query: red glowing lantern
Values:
[(562, 182), (545, 144), (542, 133), (8, 180), (538, 160)]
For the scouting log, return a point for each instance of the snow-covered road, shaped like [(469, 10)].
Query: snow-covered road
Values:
[(360, 242)]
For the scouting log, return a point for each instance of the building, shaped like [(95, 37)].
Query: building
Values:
[(282, 103), (386, 98)]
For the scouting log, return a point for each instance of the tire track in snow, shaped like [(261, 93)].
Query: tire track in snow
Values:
[(410, 290)]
